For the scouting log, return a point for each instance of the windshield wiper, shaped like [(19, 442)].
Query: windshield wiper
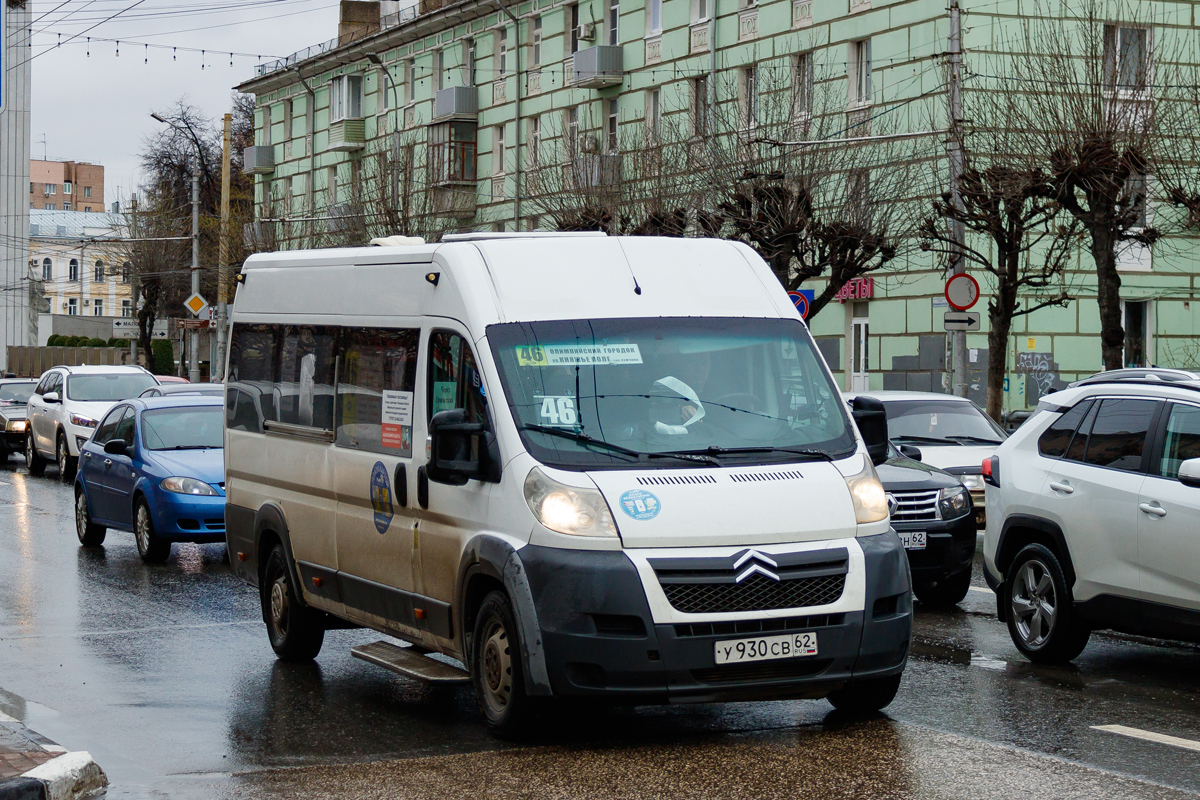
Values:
[(925, 439), (717, 450), (192, 447), (979, 439), (583, 438)]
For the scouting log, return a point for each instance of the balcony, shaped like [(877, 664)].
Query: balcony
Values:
[(599, 67), (455, 202), (456, 103), (348, 134), (258, 160)]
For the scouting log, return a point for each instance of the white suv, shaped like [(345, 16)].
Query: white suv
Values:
[(1092, 510), (66, 407)]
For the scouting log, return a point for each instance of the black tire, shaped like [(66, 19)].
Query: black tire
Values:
[(1041, 609), (152, 549), (295, 630), (870, 696), (945, 593), (33, 459), (66, 464), (90, 534), (496, 669)]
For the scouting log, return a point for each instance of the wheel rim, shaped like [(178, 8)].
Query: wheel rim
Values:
[(1034, 603), (497, 666), (62, 456), (29, 452), (143, 529), (279, 607), (81, 514)]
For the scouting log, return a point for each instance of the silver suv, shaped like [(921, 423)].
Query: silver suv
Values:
[(67, 405), (1091, 514)]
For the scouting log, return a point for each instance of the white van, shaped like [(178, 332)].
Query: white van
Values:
[(580, 466)]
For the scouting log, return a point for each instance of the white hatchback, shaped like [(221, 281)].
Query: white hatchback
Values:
[(1092, 509)]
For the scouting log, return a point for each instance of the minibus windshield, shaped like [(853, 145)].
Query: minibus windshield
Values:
[(669, 392)]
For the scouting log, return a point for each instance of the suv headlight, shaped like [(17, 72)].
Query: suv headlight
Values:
[(870, 501), (953, 502), (188, 486), (568, 509), (974, 483), (82, 421)]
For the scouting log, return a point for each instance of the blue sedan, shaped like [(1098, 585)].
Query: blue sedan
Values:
[(155, 467)]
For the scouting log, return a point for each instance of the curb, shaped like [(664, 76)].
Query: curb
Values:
[(67, 777)]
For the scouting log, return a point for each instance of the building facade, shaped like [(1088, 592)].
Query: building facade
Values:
[(80, 263), (18, 322), (468, 101), (66, 186)]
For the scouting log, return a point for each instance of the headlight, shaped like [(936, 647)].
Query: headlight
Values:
[(953, 503), (870, 501), (188, 486), (974, 483), (17, 425), (568, 509), (82, 421)]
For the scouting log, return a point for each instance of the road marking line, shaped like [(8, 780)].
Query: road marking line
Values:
[(983, 589), (1149, 736)]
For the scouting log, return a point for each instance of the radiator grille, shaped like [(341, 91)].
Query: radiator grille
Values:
[(915, 507), (667, 480), (756, 593)]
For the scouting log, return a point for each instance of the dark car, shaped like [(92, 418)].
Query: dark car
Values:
[(932, 512), (14, 397)]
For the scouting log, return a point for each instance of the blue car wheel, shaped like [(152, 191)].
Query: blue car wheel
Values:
[(90, 534), (152, 549)]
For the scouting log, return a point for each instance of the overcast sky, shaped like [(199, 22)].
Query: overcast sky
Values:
[(97, 107)]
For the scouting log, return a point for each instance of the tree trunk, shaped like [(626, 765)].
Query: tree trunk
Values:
[(1108, 296), (999, 327)]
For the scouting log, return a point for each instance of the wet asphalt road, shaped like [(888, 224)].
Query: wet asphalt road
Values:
[(164, 674)]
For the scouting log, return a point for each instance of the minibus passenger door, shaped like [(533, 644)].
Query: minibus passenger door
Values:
[(456, 507)]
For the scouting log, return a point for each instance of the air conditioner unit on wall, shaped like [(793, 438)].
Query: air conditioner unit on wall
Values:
[(587, 31)]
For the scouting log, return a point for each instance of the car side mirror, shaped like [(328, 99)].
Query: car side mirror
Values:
[(116, 447), (51, 397), (871, 419), (1189, 473), (910, 451), (461, 451)]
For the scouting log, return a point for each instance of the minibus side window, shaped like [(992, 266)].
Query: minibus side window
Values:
[(304, 391), (454, 379), (376, 380), (253, 372)]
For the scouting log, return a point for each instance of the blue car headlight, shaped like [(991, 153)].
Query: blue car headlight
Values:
[(188, 486)]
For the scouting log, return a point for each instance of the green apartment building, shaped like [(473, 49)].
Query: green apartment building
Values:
[(467, 101)]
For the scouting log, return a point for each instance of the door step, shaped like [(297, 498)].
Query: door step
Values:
[(409, 662)]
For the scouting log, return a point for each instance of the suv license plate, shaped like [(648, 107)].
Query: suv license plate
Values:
[(766, 648), (913, 540)]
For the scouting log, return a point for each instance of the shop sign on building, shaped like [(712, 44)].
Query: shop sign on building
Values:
[(856, 289)]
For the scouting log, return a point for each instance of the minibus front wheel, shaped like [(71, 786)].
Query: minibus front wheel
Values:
[(296, 631), (496, 668)]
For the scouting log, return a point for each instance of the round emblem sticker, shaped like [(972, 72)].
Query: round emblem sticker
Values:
[(381, 497), (640, 505)]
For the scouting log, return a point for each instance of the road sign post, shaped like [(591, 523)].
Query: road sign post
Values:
[(962, 292)]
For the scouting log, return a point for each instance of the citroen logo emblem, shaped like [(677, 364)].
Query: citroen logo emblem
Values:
[(754, 563)]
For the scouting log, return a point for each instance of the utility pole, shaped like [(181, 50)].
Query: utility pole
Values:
[(216, 370), (194, 339), (958, 264)]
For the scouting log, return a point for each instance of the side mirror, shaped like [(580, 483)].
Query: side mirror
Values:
[(51, 397), (116, 447), (910, 451), (1189, 473), (461, 451), (871, 419)]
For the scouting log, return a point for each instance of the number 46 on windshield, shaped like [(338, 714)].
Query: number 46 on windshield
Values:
[(558, 410)]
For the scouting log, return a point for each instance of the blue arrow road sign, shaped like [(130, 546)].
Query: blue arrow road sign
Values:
[(802, 299)]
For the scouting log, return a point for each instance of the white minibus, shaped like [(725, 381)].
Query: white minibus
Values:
[(567, 465)]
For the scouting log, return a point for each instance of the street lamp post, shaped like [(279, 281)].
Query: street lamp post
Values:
[(194, 339)]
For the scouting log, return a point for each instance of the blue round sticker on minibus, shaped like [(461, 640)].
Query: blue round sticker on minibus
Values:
[(381, 497), (640, 505)]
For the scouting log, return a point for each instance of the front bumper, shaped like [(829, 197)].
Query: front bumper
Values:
[(13, 441), (599, 639), (188, 518), (949, 548)]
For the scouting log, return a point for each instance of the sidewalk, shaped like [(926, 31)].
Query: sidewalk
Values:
[(35, 768), (20, 750)]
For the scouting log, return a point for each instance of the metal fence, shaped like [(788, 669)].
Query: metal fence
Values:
[(31, 362)]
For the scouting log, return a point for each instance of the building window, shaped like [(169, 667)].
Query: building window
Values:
[(99, 275), (98, 307), (345, 98), (73, 307), (571, 131), (126, 272), (468, 76), (51, 188), (67, 187), (51, 206), (87, 191), (265, 139), (452, 152), (534, 138), (574, 19), (439, 62), (66, 206), (127, 308), (614, 22), (654, 18), (700, 110), (748, 97), (1137, 190), (802, 92), (87, 208), (502, 52), (1137, 332), (1126, 58), (499, 150), (858, 191), (860, 72), (535, 41), (73, 270), (654, 112), (699, 11), (287, 118), (47, 269), (332, 186), (611, 124)]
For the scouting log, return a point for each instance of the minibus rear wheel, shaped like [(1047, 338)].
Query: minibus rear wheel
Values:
[(496, 668), (296, 631)]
